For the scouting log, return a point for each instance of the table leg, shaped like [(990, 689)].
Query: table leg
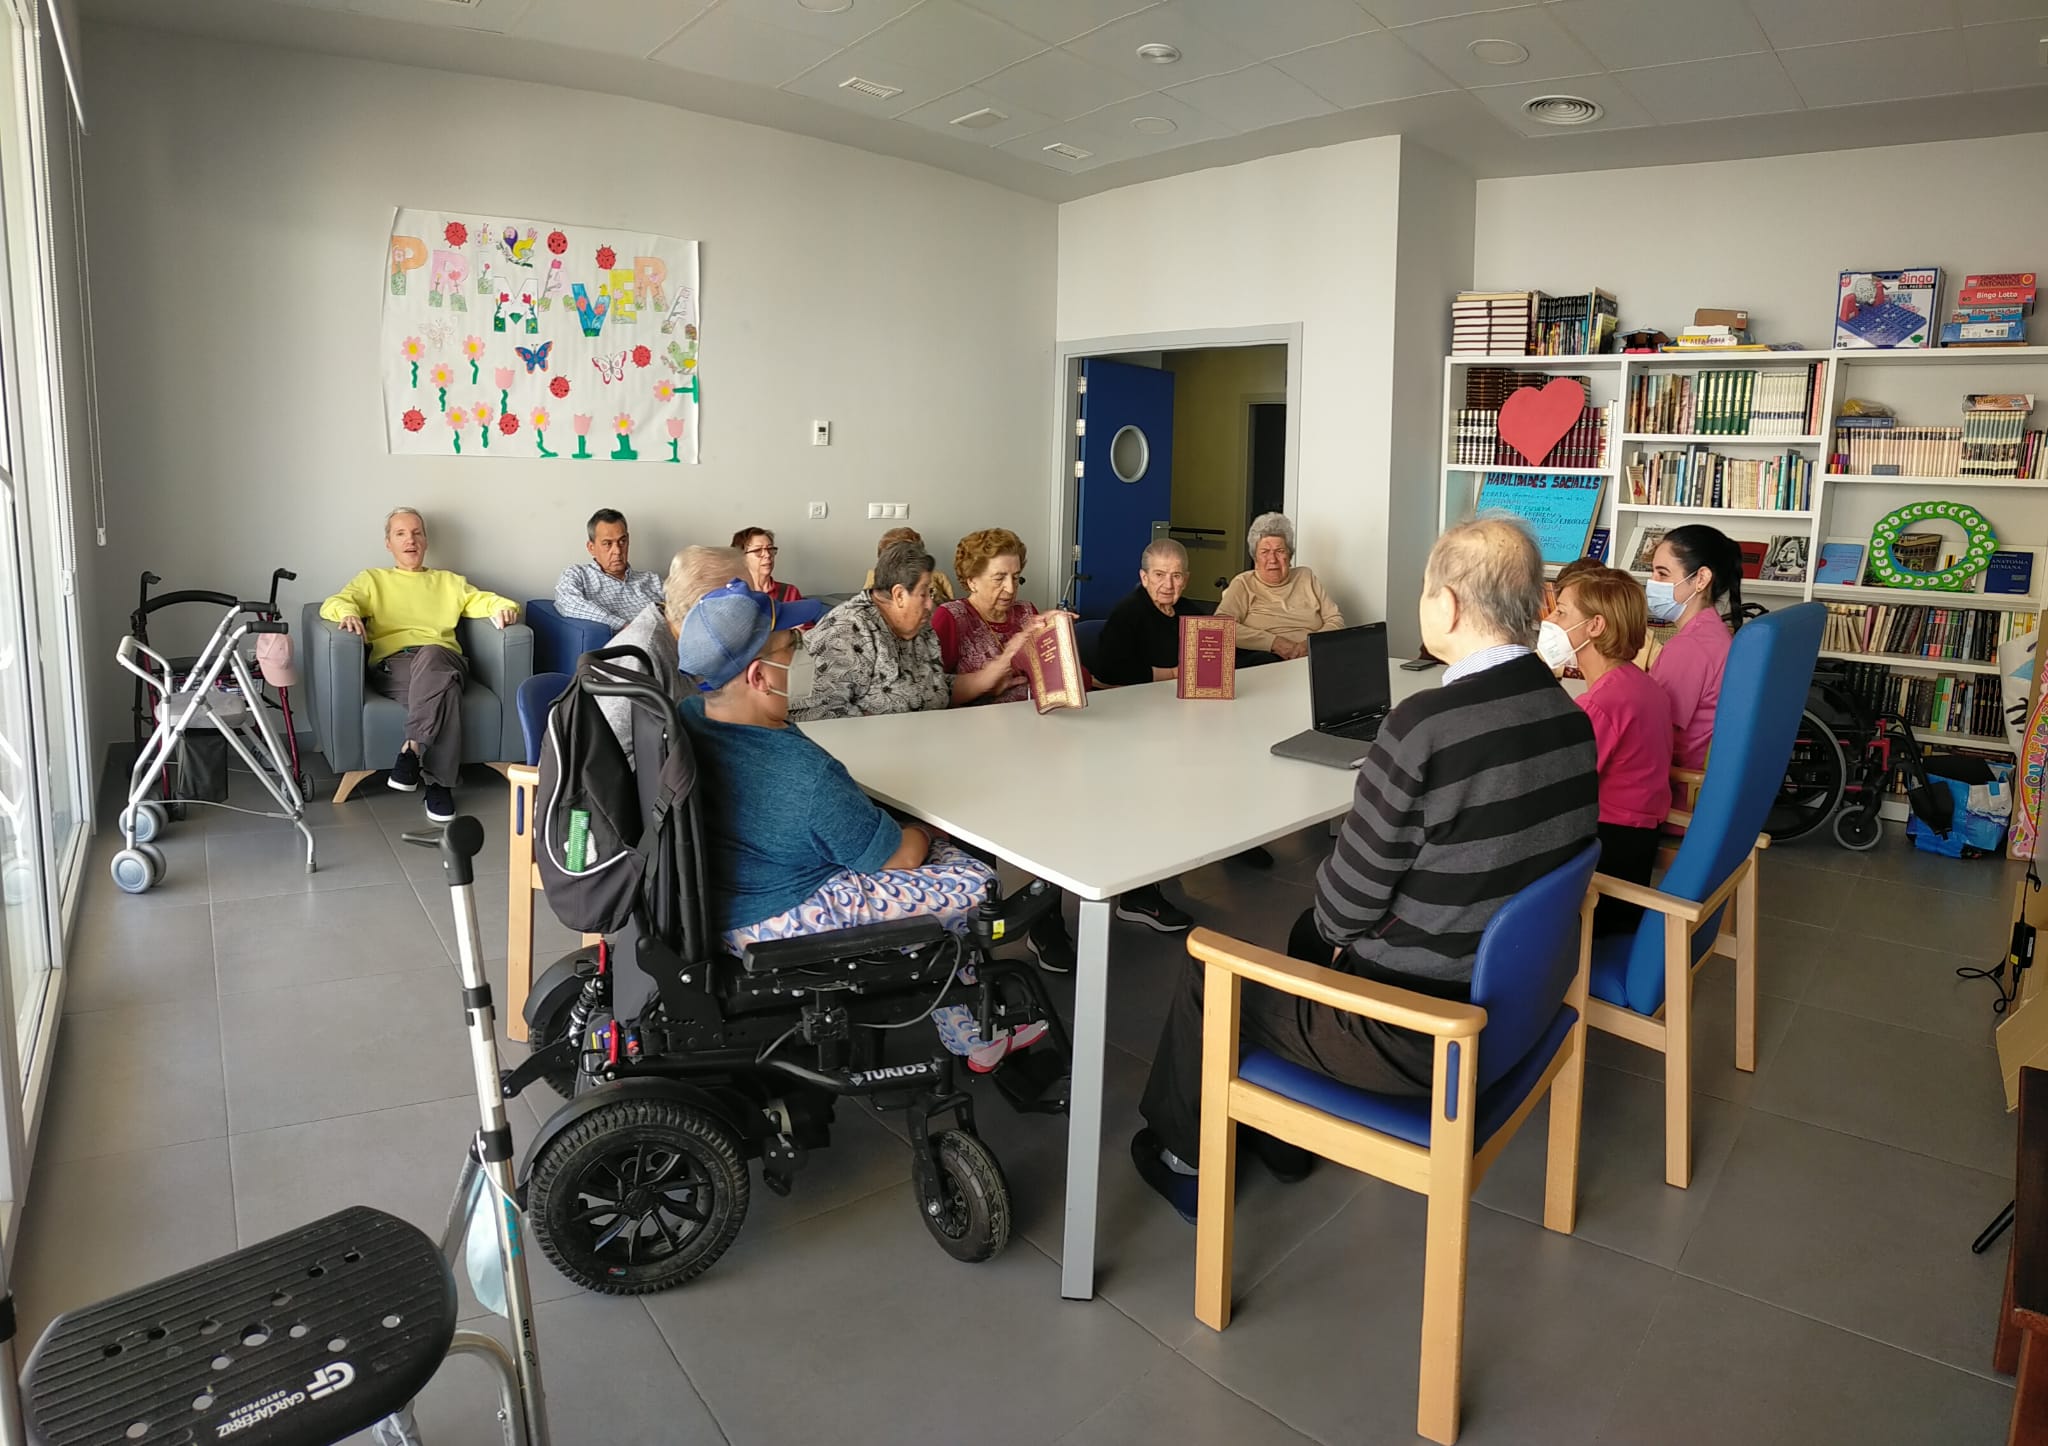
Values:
[(1084, 1101)]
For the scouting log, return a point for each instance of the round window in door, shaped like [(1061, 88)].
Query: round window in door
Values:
[(1129, 454)]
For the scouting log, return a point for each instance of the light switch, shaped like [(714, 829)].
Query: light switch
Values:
[(821, 434), (818, 510), (877, 511)]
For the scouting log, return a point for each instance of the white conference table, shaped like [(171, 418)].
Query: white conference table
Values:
[(1100, 800)]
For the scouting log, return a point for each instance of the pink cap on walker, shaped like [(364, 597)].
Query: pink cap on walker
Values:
[(274, 657)]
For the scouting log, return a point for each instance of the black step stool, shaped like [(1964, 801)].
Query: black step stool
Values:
[(301, 1340)]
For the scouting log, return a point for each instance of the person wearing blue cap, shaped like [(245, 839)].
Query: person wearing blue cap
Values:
[(793, 846)]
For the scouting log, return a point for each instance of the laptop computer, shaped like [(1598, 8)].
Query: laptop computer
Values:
[(1349, 695)]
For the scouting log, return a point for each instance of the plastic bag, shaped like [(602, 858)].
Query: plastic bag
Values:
[(1973, 832), (480, 1254)]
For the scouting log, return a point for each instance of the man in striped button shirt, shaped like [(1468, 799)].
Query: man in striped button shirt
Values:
[(606, 589), (1472, 791)]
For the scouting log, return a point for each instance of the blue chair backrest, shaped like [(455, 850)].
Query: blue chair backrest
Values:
[(1088, 639), (1763, 692), (559, 641), (1526, 960), (536, 695)]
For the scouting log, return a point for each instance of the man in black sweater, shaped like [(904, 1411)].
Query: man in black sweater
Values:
[(1473, 791)]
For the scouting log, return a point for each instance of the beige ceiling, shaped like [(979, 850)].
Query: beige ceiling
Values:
[(1677, 80)]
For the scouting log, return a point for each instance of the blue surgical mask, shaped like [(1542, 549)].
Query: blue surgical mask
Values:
[(1665, 606)]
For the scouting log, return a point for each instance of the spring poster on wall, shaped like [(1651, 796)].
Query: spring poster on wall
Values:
[(537, 339)]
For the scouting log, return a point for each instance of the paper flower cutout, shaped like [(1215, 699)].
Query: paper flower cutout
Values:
[(675, 426), (664, 390), (413, 349), (441, 376), (622, 423), (540, 419), (581, 423)]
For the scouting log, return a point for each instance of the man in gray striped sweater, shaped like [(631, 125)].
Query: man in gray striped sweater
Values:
[(1472, 791)]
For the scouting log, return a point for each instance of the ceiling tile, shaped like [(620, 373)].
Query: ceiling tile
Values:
[(1627, 33), (1829, 22), (1201, 53), (725, 43), (1551, 52), (944, 37), (938, 116), (841, 27), (620, 27), (1712, 89), (1414, 12), (1621, 110), (1252, 99), (1364, 70), (1991, 12), (1115, 123), (1276, 27), (1033, 148), (1061, 85), (916, 87), (1055, 21), (1861, 72), (2002, 57), (498, 16)]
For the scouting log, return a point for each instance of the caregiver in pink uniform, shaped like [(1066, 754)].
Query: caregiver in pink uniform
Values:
[(1695, 578)]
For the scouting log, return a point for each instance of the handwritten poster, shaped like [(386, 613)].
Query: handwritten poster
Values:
[(1557, 510), (539, 340)]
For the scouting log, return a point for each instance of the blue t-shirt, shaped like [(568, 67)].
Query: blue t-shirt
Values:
[(781, 816)]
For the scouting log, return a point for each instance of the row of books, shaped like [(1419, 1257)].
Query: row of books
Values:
[(1575, 325), (1970, 707), (1916, 630), (1477, 442), (1732, 402), (1699, 477), (1863, 448), (1488, 388), (1529, 323), (1994, 433)]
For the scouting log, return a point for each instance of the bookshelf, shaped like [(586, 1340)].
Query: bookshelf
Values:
[(1924, 388)]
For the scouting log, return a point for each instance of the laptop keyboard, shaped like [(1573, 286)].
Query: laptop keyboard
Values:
[(1359, 730)]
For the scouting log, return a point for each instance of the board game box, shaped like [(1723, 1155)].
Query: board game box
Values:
[(1888, 308)]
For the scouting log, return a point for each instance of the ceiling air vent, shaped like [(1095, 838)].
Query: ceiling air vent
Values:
[(873, 90), (1072, 153), (979, 120), (1562, 110)]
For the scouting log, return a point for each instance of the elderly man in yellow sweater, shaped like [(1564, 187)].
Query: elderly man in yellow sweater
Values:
[(1276, 604), (407, 616)]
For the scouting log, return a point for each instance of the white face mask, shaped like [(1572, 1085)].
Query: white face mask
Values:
[(799, 691), (1554, 645)]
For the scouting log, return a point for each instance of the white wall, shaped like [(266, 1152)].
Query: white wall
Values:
[(239, 201), (1308, 237), (1771, 235)]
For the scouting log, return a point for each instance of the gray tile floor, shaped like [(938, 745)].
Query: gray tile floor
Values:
[(248, 1048)]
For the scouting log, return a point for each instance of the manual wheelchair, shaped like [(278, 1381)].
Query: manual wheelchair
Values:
[(681, 1063)]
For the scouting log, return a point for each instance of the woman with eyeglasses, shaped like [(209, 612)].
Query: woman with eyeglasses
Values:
[(757, 546)]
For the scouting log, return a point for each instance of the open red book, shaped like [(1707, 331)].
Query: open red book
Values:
[(1208, 658), (1052, 662)]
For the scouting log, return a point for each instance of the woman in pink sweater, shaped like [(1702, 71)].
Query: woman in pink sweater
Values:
[(1695, 574), (1604, 619)]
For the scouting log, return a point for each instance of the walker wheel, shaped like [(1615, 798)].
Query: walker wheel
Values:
[(1859, 829), (970, 1214), (158, 864), (149, 821), (133, 872)]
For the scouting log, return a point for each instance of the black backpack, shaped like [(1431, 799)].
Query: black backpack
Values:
[(587, 822)]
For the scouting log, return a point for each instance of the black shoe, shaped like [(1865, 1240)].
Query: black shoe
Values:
[(1256, 857), (405, 773), (1051, 945), (440, 803), (1148, 906), (1174, 1188), (1289, 1164)]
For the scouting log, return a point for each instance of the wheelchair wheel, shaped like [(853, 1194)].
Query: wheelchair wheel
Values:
[(1859, 829), (638, 1196), (970, 1215), (1814, 780)]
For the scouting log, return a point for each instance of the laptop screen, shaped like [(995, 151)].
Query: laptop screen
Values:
[(1347, 673)]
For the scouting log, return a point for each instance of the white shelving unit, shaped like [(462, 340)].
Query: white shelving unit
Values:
[(1923, 387)]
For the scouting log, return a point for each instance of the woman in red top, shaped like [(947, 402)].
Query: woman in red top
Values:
[(757, 546), (1605, 619)]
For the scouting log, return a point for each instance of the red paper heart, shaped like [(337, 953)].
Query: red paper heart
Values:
[(1533, 421)]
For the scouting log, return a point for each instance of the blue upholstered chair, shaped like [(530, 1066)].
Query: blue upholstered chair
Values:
[(1642, 982), (1088, 642), (1523, 1033), (536, 695), (558, 641)]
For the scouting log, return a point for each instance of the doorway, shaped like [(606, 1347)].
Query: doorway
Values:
[(1220, 448)]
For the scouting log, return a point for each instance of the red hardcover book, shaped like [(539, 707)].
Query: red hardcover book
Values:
[(1995, 296), (1208, 658), (1052, 663), (2000, 278)]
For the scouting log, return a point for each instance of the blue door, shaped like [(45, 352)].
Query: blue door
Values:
[(1126, 477)]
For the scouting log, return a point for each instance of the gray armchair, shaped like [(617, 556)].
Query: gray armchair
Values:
[(360, 731)]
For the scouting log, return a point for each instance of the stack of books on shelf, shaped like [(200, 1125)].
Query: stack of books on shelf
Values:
[(1731, 402), (1478, 441), (1995, 434), (1697, 477), (1971, 708), (1991, 310), (1486, 388), (1493, 323), (1919, 630), (1869, 446), (1579, 325)]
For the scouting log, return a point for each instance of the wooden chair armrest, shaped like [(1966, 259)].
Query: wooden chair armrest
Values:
[(1688, 775), (1679, 818), (1763, 840), (1443, 1018), (1655, 900)]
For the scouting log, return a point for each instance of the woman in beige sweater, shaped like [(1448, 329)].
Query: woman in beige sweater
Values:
[(1276, 604)]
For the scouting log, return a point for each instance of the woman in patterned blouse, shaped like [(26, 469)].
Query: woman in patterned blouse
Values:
[(876, 653)]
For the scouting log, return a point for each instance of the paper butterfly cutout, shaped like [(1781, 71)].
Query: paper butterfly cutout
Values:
[(611, 368), (535, 357)]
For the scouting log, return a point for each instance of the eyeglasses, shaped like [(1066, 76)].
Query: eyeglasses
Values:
[(762, 551)]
